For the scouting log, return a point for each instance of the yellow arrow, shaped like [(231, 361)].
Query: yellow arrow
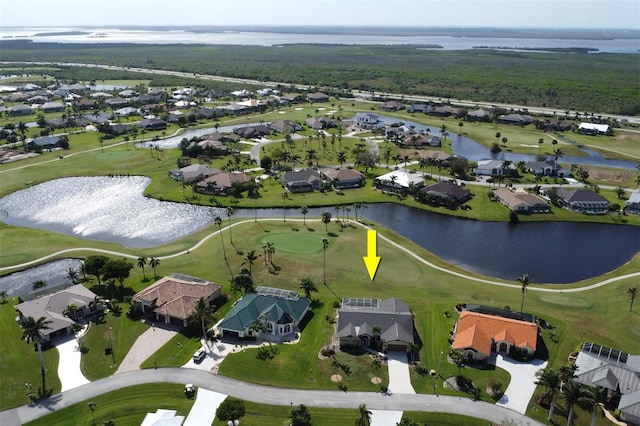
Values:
[(371, 260)]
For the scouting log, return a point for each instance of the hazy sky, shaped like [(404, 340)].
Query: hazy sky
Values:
[(465, 13)]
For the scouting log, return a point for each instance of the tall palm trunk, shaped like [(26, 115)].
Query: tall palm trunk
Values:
[(42, 369)]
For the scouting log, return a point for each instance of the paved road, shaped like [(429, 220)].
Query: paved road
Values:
[(266, 395)]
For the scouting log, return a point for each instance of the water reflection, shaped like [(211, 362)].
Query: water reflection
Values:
[(111, 209), (54, 274)]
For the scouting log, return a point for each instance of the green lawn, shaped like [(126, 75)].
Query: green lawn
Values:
[(20, 361), (126, 406)]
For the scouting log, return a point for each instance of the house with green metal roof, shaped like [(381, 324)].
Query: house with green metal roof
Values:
[(280, 311)]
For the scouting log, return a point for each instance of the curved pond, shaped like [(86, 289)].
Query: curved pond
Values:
[(473, 151), (54, 274), (114, 209)]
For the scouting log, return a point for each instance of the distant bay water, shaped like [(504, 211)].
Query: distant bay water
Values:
[(597, 41)]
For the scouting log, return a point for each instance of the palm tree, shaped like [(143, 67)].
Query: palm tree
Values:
[(423, 162), (376, 330), (365, 416), (525, 281), (504, 141), (31, 332), (540, 142), (300, 416), (498, 136), (387, 155), (326, 219), (72, 274), (229, 214), (3, 294), (460, 124), (38, 284), (304, 210), (308, 286), (572, 395), (325, 244), (284, 205), (218, 222), (142, 262), (154, 262), (342, 158), (595, 396), (632, 292), (202, 313), (249, 259), (70, 311), (558, 152), (77, 328), (550, 379)]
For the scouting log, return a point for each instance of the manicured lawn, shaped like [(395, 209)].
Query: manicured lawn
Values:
[(443, 419), (117, 328), (127, 406), (20, 363)]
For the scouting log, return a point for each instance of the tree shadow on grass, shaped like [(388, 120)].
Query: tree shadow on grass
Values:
[(311, 229), (316, 304), (305, 320)]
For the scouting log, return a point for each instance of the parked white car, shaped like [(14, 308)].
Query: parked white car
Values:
[(199, 355)]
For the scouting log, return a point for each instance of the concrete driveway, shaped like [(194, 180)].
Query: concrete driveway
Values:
[(385, 418), (69, 364), (146, 345), (522, 385), (399, 379), (203, 411)]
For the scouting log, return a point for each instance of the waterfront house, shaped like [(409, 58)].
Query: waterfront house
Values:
[(446, 193), (222, 183), (583, 201), (192, 173), (305, 180), (398, 181), (342, 178), (521, 201)]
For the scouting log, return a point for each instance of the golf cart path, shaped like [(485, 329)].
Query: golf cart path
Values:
[(555, 289), (266, 395)]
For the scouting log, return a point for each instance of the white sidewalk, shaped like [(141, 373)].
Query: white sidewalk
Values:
[(522, 384), (203, 411)]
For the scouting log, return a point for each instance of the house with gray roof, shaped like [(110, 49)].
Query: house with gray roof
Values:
[(479, 115), (305, 180), (280, 311), (617, 372), (446, 193), (516, 119), (45, 142), (52, 107), (387, 324), (19, 110), (583, 201), (492, 167), (53, 305), (632, 205), (126, 112), (318, 97), (192, 173), (342, 178)]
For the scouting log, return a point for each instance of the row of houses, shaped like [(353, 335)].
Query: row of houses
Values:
[(307, 180)]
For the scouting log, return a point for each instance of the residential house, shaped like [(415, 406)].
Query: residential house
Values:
[(45, 142), (478, 335), (391, 106), (290, 99), (443, 111), (583, 201), (206, 112), (491, 167), (126, 112), (593, 129), (365, 322), (318, 97), (342, 178), (30, 87), (101, 95), (221, 183), (285, 125), (173, 298), (128, 93), (280, 312), (116, 102), (305, 180), (38, 100), (417, 108), (85, 104), (617, 372), (632, 205), (557, 125), (68, 89), (52, 107), (251, 132), (398, 181), (446, 193), (19, 110), (479, 115), (192, 173), (118, 129), (445, 157), (516, 119), (53, 305), (320, 123), (543, 168), (232, 109), (16, 97), (152, 124), (98, 117), (521, 201)]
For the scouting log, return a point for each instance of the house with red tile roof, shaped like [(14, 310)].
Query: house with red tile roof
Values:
[(174, 297), (477, 335)]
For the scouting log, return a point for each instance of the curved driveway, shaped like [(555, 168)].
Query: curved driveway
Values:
[(266, 395)]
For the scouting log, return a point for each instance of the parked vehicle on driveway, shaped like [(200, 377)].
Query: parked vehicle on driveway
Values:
[(199, 355)]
